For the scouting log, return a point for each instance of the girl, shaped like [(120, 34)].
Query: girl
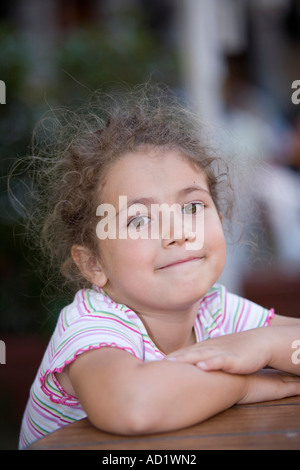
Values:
[(150, 338)]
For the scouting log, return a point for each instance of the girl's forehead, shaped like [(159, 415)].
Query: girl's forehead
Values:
[(155, 161), (152, 170)]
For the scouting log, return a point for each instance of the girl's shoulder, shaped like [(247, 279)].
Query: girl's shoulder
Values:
[(93, 319), (93, 303)]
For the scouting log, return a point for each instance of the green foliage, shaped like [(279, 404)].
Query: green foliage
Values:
[(14, 64), (97, 58), (120, 50)]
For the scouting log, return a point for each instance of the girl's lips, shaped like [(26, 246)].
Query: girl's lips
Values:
[(176, 263)]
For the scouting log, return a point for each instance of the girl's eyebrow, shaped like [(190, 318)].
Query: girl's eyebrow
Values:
[(193, 188), (147, 201)]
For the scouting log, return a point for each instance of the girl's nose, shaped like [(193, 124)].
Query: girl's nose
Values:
[(174, 230), (179, 240)]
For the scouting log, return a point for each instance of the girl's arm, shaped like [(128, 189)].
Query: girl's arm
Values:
[(123, 395), (249, 351)]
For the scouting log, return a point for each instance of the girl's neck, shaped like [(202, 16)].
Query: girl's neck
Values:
[(169, 330), (173, 331)]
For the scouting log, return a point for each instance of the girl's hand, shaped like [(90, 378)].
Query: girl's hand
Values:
[(238, 353), (268, 384)]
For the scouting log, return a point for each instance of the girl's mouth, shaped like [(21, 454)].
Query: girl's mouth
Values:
[(181, 261)]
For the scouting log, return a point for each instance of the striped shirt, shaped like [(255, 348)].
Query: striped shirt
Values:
[(94, 320)]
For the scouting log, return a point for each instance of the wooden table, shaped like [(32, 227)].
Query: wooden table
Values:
[(266, 426)]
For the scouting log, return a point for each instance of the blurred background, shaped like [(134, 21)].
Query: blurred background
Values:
[(233, 61)]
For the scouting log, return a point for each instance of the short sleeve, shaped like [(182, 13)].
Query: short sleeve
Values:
[(86, 326)]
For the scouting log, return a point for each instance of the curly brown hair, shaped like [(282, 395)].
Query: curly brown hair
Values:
[(73, 151)]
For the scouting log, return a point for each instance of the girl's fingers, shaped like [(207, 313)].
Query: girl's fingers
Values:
[(208, 361), (221, 362), (184, 356), (192, 357)]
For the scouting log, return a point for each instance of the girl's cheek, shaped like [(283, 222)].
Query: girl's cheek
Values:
[(213, 232)]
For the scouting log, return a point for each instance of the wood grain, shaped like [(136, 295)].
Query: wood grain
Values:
[(264, 426)]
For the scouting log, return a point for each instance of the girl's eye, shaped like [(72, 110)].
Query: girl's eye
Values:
[(193, 208), (139, 221)]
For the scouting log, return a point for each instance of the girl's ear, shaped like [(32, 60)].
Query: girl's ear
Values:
[(88, 265)]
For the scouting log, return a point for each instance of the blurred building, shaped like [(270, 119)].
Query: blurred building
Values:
[(205, 32)]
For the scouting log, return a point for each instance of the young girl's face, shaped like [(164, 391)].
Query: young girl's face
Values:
[(173, 270)]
